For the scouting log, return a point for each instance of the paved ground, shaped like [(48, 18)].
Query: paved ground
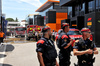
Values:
[(25, 55)]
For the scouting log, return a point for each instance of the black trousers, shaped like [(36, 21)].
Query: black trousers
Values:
[(85, 65), (1, 40), (64, 62), (50, 64)]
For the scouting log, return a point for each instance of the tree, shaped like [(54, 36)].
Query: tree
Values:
[(10, 19), (16, 20)]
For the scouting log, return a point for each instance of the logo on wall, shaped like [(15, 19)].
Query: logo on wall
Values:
[(89, 22), (89, 19)]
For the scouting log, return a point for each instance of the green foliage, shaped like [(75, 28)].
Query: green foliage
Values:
[(10, 19)]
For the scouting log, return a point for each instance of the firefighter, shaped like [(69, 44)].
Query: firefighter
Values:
[(1, 36), (64, 44), (85, 49), (46, 51)]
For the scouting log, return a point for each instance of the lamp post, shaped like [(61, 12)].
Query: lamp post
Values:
[(1, 13)]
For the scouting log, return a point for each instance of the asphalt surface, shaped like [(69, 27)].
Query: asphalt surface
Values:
[(25, 55)]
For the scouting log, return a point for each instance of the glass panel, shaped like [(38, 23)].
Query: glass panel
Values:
[(92, 6), (77, 10), (82, 11), (83, 7), (13, 24), (20, 29), (96, 5), (74, 33), (70, 12), (99, 5)]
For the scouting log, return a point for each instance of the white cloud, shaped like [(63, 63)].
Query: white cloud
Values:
[(36, 3)]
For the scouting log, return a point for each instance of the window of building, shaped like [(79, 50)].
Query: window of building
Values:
[(13, 25), (76, 10), (79, 10), (99, 5), (82, 10), (69, 12), (91, 6), (96, 5)]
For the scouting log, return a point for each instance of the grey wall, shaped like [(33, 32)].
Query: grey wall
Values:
[(95, 27), (62, 2)]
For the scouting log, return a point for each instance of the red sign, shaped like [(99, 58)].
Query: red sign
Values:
[(89, 19)]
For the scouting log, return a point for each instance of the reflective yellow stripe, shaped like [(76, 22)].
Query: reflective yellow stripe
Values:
[(38, 28), (30, 28)]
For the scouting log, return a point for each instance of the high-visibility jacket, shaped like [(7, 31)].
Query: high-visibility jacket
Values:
[(1, 34)]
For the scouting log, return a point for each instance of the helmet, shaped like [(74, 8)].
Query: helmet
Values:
[(64, 25), (85, 29), (45, 29)]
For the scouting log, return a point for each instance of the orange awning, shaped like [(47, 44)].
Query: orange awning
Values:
[(46, 5)]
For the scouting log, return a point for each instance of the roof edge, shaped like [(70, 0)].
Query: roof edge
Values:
[(47, 2)]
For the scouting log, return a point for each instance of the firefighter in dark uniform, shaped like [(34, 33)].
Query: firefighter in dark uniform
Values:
[(85, 49), (46, 51), (64, 44)]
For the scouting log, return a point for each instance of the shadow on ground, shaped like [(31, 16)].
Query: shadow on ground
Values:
[(9, 48), (6, 65), (2, 55)]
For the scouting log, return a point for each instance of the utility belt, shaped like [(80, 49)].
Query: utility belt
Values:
[(91, 61), (82, 62)]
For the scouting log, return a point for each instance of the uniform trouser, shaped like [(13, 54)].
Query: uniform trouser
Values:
[(63, 62), (50, 64), (1, 40)]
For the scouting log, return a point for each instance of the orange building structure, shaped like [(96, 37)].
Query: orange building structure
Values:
[(53, 14)]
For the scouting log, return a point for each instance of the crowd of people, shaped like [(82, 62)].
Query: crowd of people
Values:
[(83, 48)]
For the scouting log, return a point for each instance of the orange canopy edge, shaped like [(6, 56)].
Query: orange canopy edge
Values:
[(46, 5)]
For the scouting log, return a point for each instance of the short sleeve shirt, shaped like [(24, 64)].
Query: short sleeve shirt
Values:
[(79, 46)]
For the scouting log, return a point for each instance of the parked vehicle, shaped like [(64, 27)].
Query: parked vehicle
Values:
[(31, 29), (73, 34), (20, 31)]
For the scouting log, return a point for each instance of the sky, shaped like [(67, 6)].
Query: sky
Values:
[(20, 8)]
